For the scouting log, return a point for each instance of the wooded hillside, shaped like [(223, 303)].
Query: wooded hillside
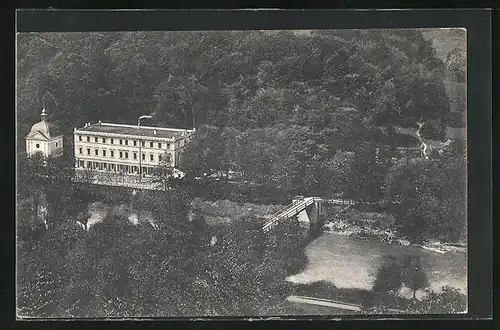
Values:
[(242, 79)]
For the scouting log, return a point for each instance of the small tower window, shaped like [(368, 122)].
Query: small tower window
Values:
[(143, 143), (80, 137), (104, 153), (103, 140), (151, 157), (135, 143), (57, 144), (112, 140), (151, 144), (88, 152), (159, 145), (95, 139), (143, 156), (97, 152), (81, 151), (88, 138), (121, 141), (168, 145), (126, 142), (126, 154), (112, 154), (37, 146)]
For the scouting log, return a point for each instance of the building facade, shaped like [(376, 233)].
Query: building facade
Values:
[(44, 139), (128, 149)]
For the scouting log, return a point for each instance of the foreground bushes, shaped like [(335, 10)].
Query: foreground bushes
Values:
[(448, 301), (117, 269)]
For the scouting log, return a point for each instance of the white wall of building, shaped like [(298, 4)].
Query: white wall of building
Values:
[(53, 147), (108, 149)]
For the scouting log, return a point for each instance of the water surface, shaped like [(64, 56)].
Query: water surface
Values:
[(351, 263)]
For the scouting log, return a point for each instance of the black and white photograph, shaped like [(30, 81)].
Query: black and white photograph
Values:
[(241, 173)]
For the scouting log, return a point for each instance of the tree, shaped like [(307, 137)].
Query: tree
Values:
[(200, 157), (340, 172), (33, 182), (456, 63), (392, 273), (164, 172), (389, 275), (413, 274), (426, 204)]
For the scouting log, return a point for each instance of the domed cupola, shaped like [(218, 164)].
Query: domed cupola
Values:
[(42, 127), (44, 138)]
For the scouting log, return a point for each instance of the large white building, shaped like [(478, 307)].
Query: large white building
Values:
[(44, 139), (131, 150)]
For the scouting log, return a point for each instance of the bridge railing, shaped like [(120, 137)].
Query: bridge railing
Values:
[(288, 211), (289, 206)]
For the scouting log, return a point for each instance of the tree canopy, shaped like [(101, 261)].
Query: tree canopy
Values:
[(240, 79)]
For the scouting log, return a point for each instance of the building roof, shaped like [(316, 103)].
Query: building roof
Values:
[(158, 132), (43, 129)]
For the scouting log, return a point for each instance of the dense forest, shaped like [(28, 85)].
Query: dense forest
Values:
[(242, 79), (292, 112), (284, 108)]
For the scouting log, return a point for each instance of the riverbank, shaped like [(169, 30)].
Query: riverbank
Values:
[(222, 212), (356, 301), (379, 227)]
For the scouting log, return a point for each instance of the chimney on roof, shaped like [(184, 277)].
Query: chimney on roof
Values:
[(154, 132)]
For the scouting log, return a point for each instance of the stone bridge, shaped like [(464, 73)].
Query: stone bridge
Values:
[(306, 210)]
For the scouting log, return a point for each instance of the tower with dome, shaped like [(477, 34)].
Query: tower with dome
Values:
[(44, 138)]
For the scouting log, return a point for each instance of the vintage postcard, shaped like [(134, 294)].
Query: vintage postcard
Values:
[(242, 173)]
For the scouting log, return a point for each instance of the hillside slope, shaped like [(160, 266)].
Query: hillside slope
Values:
[(446, 41)]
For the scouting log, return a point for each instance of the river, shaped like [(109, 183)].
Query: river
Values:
[(346, 262), (351, 263)]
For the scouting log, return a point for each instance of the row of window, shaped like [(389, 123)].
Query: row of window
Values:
[(123, 154), (124, 142), (38, 145), (117, 168)]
